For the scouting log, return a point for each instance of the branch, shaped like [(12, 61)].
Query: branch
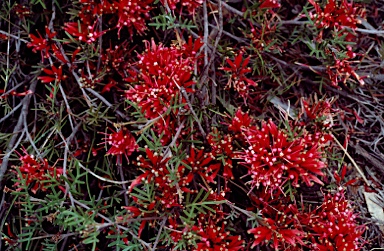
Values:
[(14, 142)]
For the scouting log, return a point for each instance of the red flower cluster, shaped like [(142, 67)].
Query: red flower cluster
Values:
[(169, 192), (210, 232), (21, 10), (343, 69), (36, 172), (269, 4), (122, 13), (42, 44), (237, 70), (116, 58), (240, 122), (330, 227), (55, 74), (333, 225), (161, 77), (337, 14), (83, 32), (280, 227), (201, 163), (222, 150), (132, 14), (272, 158), (213, 235), (317, 119), (191, 5), (162, 72), (122, 142)]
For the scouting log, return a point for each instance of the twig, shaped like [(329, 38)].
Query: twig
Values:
[(69, 111), (13, 36), (14, 142), (352, 161), (173, 141), (159, 233), (65, 161), (240, 40), (113, 223), (184, 93), (30, 138), (375, 32), (106, 102), (231, 9), (11, 112), (102, 178), (361, 151), (120, 168)]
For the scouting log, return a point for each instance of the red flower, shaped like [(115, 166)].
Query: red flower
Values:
[(333, 225), (42, 44), (132, 14), (36, 171), (122, 142), (123, 13), (240, 122), (55, 74), (237, 70), (337, 15), (342, 70), (156, 170), (83, 32), (91, 9), (162, 72), (280, 227), (222, 150), (269, 4), (21, 10), (116, 59), (201, 163), (213, 235), (272, 158), (191, 5)]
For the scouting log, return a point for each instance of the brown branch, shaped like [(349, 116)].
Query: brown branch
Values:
[(15, 141)]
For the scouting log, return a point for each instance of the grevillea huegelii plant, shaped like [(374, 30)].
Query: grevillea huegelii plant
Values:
[(188, 124)]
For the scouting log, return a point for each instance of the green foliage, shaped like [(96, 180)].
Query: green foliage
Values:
[(167, 21)]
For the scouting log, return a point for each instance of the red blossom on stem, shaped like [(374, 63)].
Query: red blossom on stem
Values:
[(272, 159), (162, 73), (169, 192), (83, 32), (337, 14), (222, 150), (213, 235), (201, 163), (237, 70), (122, 143), (343, 70), (132, 14), (36, 172), (318, 118), (240, 122), (269, 4), (55, 74), (21, 10), (280, 227), (191, 5), (333, 225), (39, 43), (116, 58)]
